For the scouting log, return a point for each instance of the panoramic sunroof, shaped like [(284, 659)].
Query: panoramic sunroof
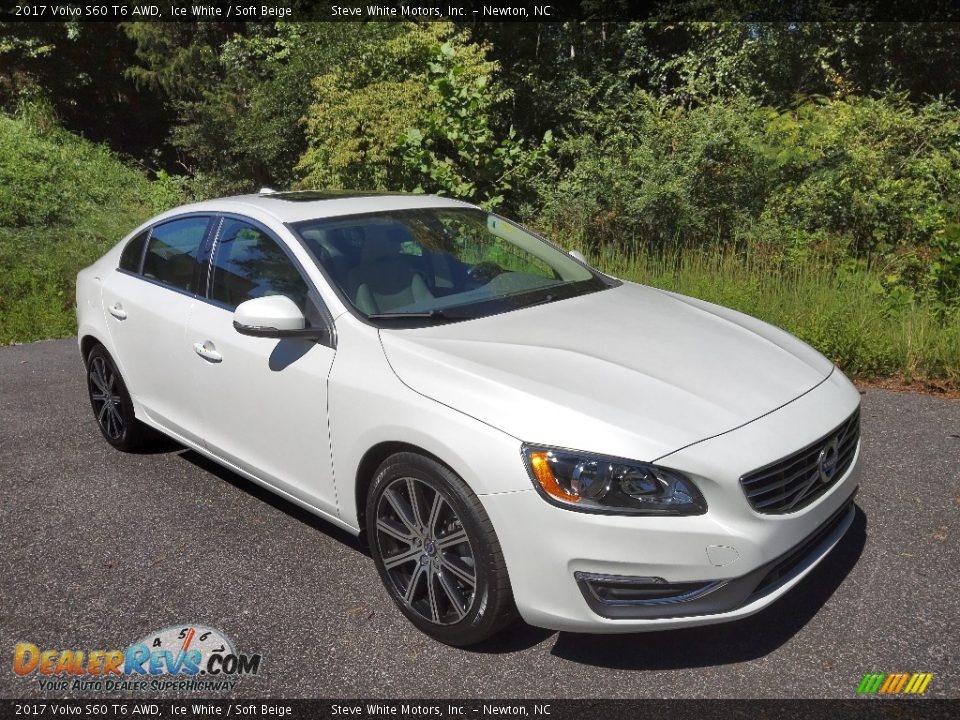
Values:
[(312, 195)]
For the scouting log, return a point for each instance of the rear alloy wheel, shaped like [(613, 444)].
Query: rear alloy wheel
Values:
[(436, 551), (111, 402)]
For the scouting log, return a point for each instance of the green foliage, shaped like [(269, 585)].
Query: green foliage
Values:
[(78, 69), (871, 171), (859, 178), (808, 173), (775, 62), (417, 112), (63, 202), (944, 271), (454, 150), (645, 171), (238, 93)]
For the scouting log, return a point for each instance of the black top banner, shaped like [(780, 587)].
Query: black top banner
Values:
[(472, 11)]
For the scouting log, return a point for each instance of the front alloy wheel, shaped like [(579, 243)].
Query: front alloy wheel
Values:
[(426, 551), (436, 551)]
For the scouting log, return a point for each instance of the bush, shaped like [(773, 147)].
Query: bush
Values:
[(870, 179), (63, 202), (643, 173), (417, 112)]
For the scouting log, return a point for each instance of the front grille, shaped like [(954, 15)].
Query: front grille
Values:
[(796, 481)]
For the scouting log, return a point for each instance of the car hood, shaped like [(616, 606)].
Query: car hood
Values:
[(630, 371)]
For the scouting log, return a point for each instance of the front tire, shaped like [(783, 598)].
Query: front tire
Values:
[(112, 407), (437, 552)]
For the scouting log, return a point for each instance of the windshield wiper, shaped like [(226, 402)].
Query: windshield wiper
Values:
[(425, 315)]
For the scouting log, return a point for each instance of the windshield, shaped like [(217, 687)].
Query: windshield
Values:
[(439, 264)]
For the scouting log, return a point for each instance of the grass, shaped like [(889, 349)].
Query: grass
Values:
[(846, 316)]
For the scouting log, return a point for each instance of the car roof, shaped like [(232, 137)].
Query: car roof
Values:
[(292, 207)]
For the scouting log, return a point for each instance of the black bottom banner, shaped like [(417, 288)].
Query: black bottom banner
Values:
[(546, 709)]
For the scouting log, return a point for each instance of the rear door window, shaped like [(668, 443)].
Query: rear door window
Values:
[(171, 256)]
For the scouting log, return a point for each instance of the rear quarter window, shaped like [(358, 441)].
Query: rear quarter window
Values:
[(133, 253)]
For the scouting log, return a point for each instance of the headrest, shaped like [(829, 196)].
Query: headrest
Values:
[(382, 241)]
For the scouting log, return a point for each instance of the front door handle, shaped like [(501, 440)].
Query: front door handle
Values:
[(207, 351), (117, 311)]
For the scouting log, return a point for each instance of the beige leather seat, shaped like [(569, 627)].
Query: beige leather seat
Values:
[(385, 279)]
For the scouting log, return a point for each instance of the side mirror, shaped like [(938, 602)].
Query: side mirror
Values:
[(577, 255), (273, 316)]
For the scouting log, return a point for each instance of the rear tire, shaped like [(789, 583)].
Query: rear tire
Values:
[(437, 552), (112, 407)]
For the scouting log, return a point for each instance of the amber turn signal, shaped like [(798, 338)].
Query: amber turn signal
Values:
[(540, 464)]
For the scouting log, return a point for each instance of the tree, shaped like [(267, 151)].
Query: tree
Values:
[(240, 91), (77, 70), (418, 112)]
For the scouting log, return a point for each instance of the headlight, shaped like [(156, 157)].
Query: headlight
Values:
[(595, 483)]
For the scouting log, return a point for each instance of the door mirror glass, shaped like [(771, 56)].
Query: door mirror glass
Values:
[(273, 316)]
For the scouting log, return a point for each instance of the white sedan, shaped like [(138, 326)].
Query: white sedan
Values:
[(509, 429)]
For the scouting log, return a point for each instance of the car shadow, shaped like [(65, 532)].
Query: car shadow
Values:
[(272, 499), (515, 638), (157, 444), (734, 642)]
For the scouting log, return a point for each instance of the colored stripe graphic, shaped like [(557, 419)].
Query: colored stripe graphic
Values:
[(871, 683), (919, 683), (894, 683)]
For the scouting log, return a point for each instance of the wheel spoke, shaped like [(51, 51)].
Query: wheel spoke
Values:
[(117, 420), (114, 422), (96, 375), (102, 414), (416, 502), (434, 513), (452, 540), (412, 587), (403, 510), (457, 600), (401, 558), (456, 567), (432, 595), (396, 530)]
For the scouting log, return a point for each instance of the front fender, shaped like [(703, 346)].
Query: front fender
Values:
[(369, 405)]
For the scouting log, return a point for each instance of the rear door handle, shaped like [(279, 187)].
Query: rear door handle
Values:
[(117, 311), (207, 351)]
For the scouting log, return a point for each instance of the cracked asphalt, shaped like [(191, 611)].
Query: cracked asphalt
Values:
[(99, 548)]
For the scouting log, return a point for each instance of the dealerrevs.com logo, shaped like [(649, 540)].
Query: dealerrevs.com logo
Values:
[(188, 657)]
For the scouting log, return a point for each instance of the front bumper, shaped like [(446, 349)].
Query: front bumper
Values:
[(745, 560), (717, 596)]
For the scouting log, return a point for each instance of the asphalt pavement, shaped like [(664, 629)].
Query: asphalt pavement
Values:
[(100, 547)]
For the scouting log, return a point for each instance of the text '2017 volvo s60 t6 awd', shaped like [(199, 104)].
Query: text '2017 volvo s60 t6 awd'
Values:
[(512, 431)]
